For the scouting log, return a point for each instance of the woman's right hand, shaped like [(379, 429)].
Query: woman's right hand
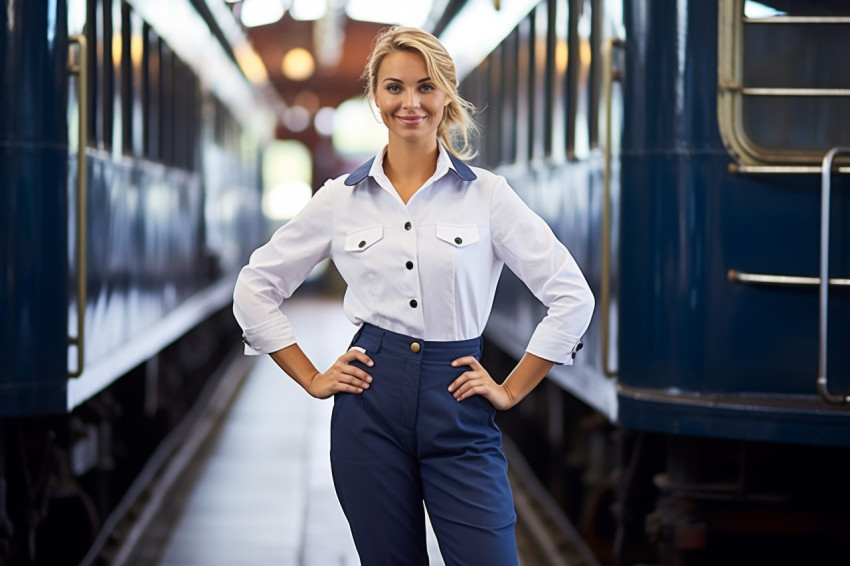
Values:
[(342, 377)]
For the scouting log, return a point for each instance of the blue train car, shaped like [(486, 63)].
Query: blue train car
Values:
[(130, 139), (693, 157)]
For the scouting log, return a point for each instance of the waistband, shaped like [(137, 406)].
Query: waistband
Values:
[(377, 340)]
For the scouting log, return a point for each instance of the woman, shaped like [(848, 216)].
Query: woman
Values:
[(420, 238)]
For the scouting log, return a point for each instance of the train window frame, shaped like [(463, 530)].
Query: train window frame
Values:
[(732, 90)]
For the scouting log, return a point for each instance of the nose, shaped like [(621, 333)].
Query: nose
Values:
[(411, 100)]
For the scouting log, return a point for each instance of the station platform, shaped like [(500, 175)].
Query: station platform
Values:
[(264, 495)]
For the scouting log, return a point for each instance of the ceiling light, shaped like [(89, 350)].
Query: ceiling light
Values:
[(298, 64), (261, 12), (308, 10), (402, 12)]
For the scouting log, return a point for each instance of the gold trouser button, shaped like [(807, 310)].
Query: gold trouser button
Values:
[(415, 347)]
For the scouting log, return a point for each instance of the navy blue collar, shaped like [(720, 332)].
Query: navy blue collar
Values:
[(460, 169)]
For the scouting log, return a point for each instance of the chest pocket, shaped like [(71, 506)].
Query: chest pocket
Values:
[(363, 239), (458, 236)]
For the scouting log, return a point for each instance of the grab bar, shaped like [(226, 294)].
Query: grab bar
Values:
[(81, 70), (823, 301), (611, 75)]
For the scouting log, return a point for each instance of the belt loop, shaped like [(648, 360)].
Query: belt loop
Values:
[(380, 341)]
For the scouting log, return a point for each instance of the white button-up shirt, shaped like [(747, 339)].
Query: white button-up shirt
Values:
[(427, 269)]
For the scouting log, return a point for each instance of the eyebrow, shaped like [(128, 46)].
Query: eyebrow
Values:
[(425, 80)]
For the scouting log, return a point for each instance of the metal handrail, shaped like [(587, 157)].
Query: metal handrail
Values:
[(782, 169), (605, 291), (736, 276), (81, 70), (787, 91), (799, 20), (823, 287)]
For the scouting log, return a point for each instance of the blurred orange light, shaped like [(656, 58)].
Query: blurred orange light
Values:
[(298, 64)]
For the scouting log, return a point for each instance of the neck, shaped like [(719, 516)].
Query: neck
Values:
[(408, 166)]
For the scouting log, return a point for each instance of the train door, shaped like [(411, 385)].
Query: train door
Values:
[(783, 109)]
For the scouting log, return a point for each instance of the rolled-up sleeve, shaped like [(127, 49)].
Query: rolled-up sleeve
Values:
[(276, 270), (531, 250)]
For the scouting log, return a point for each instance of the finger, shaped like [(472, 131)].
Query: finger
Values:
[(357, 381), (346, 388), (345, 373), (344, 381), (467, 361), (461, 380), (358, 355), (468, 390)]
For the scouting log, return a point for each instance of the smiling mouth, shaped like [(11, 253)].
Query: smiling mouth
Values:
[(411, 120)]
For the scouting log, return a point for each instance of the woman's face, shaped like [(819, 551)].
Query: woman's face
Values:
[(411, 106)]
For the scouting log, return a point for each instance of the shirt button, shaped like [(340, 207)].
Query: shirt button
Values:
[(408, 225), (361, 244), (409, 265), (413, 303), (458, 240), (415, 347)]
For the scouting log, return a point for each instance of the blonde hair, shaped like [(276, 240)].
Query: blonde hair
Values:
[(457, 127)]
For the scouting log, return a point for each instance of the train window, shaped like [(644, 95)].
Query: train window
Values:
[(150, 92), (784, 95), (579, 97), (105, 64), (509, 101), (94, 38), (131, 82), (559, 23), (494, 136), (541, 100), (179, 109), (573, 76), (595, 80), (549, 77), (113, 11), (525, 86), (166, 104), (473, 89)]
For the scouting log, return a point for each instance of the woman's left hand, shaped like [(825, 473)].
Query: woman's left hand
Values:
[(477, 381)]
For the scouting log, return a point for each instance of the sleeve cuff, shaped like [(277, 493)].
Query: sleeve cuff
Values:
[(268, 337), (552, 346)]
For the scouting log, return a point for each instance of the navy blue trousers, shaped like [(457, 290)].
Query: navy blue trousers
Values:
[(406, 440)]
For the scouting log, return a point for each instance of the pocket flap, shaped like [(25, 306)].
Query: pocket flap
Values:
[(458, 236), (363, 238)]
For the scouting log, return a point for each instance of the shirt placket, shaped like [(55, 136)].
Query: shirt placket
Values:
[(408, 267)]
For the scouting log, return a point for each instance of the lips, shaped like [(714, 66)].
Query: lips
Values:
[(411, 120)]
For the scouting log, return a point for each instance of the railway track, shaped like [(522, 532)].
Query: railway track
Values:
[(545, 537), (143, 512)]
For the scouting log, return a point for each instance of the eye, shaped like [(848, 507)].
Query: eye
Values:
[(393, 88), (427, 88)]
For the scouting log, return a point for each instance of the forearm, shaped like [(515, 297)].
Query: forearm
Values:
[(528, 373), (296, 364)]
